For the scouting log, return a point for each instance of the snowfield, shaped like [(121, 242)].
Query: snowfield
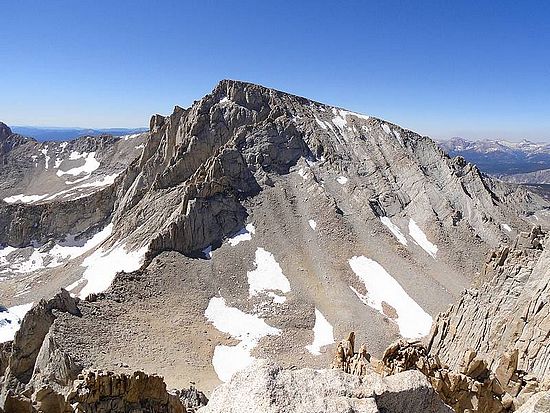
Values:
[(10, 320), (102, 267), (323, 334), (26, 199), (247, 328), (412, 320), (18, 260), (244, 234), (418, 235), (394, 230), (90, 164), (268, 275)]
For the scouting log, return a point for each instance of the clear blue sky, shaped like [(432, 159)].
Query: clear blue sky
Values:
[(442, 68)]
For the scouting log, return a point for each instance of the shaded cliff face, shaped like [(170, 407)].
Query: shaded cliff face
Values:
[(300, 220)]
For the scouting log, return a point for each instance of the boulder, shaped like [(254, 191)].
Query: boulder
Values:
[(267, 387)]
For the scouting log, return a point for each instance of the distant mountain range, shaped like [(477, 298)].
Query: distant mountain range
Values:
[(519, 162), (62, 134)]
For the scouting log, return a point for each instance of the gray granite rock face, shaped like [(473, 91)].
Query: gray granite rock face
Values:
[(510, 311), (266, 387)]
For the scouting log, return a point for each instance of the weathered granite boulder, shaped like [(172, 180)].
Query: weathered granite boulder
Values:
[(267, 387)]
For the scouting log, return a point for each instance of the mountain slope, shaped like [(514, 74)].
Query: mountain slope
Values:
[(44, 171), (260, 224)]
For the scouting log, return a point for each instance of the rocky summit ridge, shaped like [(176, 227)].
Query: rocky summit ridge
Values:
[(254, 224)]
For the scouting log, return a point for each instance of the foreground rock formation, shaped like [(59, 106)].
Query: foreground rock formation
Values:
[(101, 391), (489, 352), (267, 387), (472, 387)]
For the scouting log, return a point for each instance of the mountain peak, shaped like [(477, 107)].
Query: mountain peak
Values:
[(5, 131)]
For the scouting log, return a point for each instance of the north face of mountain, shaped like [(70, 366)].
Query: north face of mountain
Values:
[(256, 224)]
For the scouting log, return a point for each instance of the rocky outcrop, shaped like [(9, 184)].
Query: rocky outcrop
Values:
[(192, 398), (349, 361), (539, 403), (504, 318), (8, 141), (472, 387), (5, 131), (267, 387), (98, 391), (29, 348), (121, 393)]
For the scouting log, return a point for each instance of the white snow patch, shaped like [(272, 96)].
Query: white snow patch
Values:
[(10, 321), (302, 172), (321, 124), (394, 230), (412, 320), (418, 235), (312, 224), (342, 180), (386, 128), (4, 252), (105, 181), (90, 164), (132, 136), (102, 267), (357, 115), (54, 257), (323, 334), (507, 227), (29, 199), (268, 274), (398, 136), (140, 146), (248, 328), (228, 360), (47, 158), (74, 155), (244, 234), (26, 199), (225, 100), (340, 122), (277, 299)]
